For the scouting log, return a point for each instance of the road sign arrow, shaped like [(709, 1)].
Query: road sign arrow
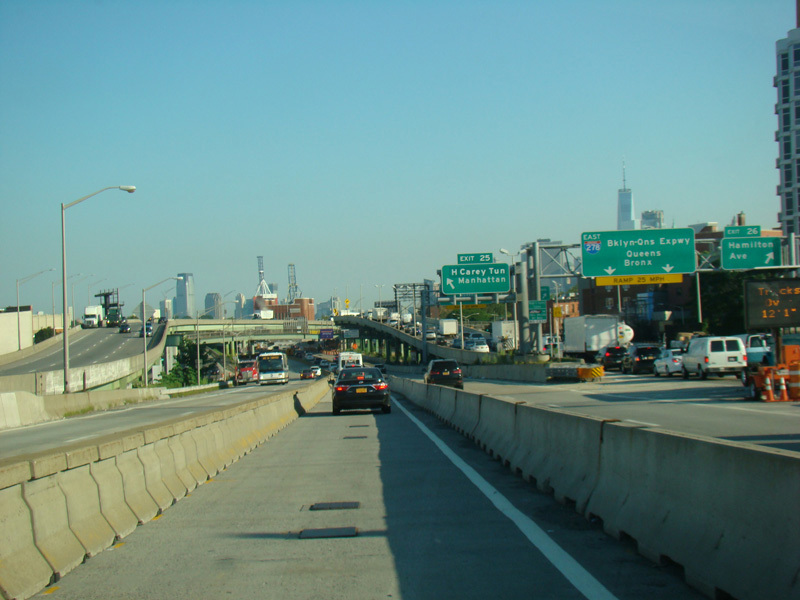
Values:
[(668, 268), (770, 258), (609, 270), (450, 283)]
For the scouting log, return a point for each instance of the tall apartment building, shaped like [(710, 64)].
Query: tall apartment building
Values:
[(184, 296), (787, 82)]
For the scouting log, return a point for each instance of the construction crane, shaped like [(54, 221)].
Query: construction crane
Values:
[(293, 291)]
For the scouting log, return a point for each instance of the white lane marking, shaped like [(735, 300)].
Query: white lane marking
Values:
[(579, 577)]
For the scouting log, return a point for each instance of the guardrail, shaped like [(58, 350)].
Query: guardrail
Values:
[(727, 512), (60, 507)]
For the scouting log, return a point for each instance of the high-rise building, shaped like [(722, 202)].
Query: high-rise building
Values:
[(184, 296), (166, 308), (653, 219), (625, 212), (213, 306), (787, 82)]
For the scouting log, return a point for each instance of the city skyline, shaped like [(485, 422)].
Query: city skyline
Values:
[(368, 145)]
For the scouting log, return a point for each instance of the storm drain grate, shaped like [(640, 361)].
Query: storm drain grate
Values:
[(354, 437), (329, 532), (335, 506)]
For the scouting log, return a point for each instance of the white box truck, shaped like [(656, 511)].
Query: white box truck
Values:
[(447, 327), (585, 336), (504, 334), (92, 317)]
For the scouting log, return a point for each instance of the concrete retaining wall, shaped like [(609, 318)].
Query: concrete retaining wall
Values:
[(59, 507), (22, 408), (726, 512)]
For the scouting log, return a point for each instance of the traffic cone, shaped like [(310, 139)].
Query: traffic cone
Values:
[(766, 393), (784, 395)]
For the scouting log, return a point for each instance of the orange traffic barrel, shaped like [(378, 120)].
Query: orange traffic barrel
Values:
[(794, 381)]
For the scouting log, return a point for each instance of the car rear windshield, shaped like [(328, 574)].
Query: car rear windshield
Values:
[(650, 350), (732, 345), (615, 350), (449, 365), (350, 375)]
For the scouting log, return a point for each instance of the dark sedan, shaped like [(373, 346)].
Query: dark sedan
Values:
[(640, 359), (444, 372), (612, 357), (361, 387)]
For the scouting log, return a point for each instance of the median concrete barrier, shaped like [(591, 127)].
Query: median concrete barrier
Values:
[(151, 467), (169, 471), (725, 512), (111, 492), (181, 464), (58, 507), (495, 428), (193, 464), (135, 486), (83, 510), (467, 413), (23, 569), (51, 532)]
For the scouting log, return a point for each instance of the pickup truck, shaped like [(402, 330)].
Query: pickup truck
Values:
[(759, 348)]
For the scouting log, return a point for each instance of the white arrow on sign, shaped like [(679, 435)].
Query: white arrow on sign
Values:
[(770, 257), (450, 283), (668, 268), (609, 270)]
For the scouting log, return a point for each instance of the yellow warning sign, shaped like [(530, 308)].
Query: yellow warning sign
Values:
[(640, 279)]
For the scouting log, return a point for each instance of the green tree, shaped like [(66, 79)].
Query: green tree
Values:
[(43, 334), (722, 300)]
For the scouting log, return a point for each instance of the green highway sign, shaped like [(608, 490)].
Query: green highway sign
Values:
[(475, 279), (545, 292), (638, 252), (475, 259), (740, 231), (537, 311), (750, 253)]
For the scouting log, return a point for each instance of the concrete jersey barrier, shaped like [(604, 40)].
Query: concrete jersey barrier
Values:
[(725, 511), (58, 507)]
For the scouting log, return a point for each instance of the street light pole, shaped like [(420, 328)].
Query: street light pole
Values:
[(125, 188), (514, 305), (380, 304), (19, 322)]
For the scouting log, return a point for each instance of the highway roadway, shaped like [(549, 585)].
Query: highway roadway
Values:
[(714, 407), (80, 429), (430, 517), (86, 347)]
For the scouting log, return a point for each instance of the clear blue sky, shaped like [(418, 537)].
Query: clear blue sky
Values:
[(366, 142)]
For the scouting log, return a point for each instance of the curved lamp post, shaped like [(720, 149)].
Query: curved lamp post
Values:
[(19, 323), (125, 188)]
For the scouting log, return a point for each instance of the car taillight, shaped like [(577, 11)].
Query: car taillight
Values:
[(706, 359), (744, 357), (436, 372), (457, 371), (381, 386), (342, 388)]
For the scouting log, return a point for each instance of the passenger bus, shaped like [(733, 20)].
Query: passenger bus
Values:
[(273, 367)]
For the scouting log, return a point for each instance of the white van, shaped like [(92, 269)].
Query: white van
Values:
[(349, 359), (718, 355)]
